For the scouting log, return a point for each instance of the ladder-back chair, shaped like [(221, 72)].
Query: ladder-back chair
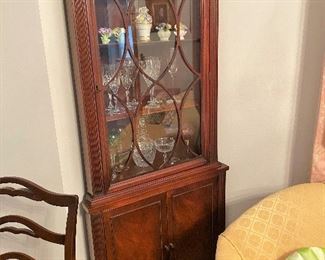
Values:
[(34, 192)]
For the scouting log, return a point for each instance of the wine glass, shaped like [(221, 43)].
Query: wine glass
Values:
[(151, 66), (187, 132), (127, 75), (172, 71), (146, 145), (165, 145), (155, 74), (114, 85), (115, 148), (106, 77)]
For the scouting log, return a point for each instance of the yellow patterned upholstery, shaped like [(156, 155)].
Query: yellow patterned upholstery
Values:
[(278, 225)]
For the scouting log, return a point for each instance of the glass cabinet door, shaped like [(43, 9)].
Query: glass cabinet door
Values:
[(150, 56)]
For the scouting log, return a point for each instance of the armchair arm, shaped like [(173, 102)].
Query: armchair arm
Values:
[(226, 250)]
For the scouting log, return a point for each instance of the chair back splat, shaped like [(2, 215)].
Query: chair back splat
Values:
[(34, 192)]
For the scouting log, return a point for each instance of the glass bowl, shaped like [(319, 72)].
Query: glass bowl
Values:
[(165, 144)]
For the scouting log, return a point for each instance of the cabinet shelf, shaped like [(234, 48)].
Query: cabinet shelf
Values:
[(149, 110), (135, 171), (150, 43)]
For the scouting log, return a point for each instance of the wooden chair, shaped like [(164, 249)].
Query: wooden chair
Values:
[(37, 193)]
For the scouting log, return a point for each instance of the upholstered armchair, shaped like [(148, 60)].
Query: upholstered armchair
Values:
[(278, 225)]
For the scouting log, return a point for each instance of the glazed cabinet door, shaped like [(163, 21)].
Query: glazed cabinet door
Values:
[(192, 212), (137, 231), (152, 77)]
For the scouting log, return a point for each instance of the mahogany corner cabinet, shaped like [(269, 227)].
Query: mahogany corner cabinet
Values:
[(145, 74)]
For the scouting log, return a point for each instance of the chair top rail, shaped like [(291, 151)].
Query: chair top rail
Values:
[(36, 192), (35, 230), (16, 255)]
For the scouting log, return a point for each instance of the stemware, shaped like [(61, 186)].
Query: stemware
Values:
[(115, 149), (151, 66), (172, 71), (128, 75), (148, 150), (187, 132), (113, 84), (106, 77), (146, 145), (165, 145)]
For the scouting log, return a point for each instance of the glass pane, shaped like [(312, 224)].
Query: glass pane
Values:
[(150, 64)]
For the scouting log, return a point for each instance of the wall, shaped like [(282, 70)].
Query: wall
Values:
[(270, 71), (39, 134), (269, 62)]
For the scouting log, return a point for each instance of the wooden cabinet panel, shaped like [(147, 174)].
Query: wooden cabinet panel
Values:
[(137, 231), (190, 222)]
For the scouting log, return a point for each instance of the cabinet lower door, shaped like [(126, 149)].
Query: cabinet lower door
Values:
[(137, 231), (190, 222)]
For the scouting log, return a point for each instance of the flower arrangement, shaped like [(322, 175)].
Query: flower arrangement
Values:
[(182, 27), (143, 24), (143, 17), (117, 32), (164, 27), (182, 30), (105, 34), (164, 31)]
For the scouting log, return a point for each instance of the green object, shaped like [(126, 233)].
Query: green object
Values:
[(105, 39), (308, 253)]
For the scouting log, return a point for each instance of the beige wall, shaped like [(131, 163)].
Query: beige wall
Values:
[(270, 71), (39, 134), (269, 80)]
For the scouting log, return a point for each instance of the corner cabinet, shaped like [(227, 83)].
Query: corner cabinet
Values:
[(145, 73)]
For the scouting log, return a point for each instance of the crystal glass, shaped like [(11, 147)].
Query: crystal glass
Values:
[(165, 145), (147, 149), (146, 145), (106, 78), (114, 87), (151, 66), (116, 148), (188, 132), (113, 84), (127, 75), (172, 70)]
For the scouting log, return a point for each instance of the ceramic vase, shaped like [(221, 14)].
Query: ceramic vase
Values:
[(182, 34), (143, 31), (164, 35)]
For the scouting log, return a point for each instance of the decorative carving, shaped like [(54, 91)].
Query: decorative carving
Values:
[(88, 89), (99, 240)]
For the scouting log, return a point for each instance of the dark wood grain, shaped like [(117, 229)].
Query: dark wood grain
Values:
[(35, 192), (137, 231), (83, 53), (99, 238), (190, 217)]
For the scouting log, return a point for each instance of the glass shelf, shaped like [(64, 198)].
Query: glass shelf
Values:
[(152, 42), (149, 111)]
